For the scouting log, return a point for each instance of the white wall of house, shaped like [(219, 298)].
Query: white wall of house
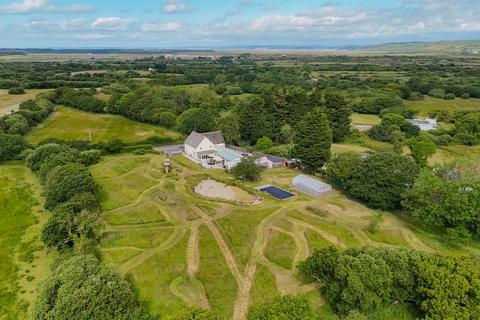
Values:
[(205, 145)]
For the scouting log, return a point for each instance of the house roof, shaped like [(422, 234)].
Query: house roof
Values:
[(275, 159), (216, 137), (229, 155), (195, 138)]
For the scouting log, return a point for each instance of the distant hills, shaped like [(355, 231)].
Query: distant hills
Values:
[(455, 47), (465, 47)]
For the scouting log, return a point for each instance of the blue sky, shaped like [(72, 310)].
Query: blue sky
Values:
[(216, 24)]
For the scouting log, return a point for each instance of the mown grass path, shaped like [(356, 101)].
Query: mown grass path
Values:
[(340, 222)]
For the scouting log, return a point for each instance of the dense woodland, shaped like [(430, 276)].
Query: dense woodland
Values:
[(291, 107)]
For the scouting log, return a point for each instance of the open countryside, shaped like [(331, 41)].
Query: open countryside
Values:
[(239, 160)]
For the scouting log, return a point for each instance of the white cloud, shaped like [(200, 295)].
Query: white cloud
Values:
[(177, 6), (161, 27), (92, 36), (32, 6), (112, 23)]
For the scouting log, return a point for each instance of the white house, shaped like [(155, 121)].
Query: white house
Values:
[(204, 146), (229, 158), (424, 124)]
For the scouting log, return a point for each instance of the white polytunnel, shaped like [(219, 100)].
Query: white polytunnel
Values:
[(311, 186)]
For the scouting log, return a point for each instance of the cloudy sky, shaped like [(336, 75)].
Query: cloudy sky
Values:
[(232, 23)]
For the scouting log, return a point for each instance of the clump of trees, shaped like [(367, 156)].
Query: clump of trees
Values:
[(379, 180), (371, 278), (17, 124), (392, 122), (446, 197), (82, 288)]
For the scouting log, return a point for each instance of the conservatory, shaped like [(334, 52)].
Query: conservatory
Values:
[(311, 186)]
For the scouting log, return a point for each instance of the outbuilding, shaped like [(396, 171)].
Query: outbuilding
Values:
[(311, 186)]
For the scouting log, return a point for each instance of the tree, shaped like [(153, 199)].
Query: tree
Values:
[(398, 139), (340, 169), (253, 119), (64, 182), (17, 124), (229, 125), (76, 219), (381, 178), (44, 153), (16, 90), (467, 129), (81, 288), (165, 119), (282, 308), (264, 143), (11, 146), (339, 114), (247, 169), (370, 278), (422, 147), (445, 200), (195, 119), (313, 140)]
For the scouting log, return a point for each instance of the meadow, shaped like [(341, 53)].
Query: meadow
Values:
[(11, 101), (182, 249), (72, 124), (24, 261), (429, 104)]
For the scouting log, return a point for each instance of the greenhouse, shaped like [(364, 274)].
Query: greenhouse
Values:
[(311, 186)]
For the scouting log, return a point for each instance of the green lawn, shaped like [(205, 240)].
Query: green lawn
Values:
[(23, 259), (365, 119), (281, 249), (72, 124), (429, 104)]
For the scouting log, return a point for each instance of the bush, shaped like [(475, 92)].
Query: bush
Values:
[(16, 90), (90, 157), (467, 129), (81, 288), (264, 143), (11, 146), (43, 153), (64, 182), (247, 170), (284, 307), (17, 124)]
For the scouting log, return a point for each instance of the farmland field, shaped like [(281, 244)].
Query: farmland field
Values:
[(429, 104), (71, 124), (182, 249), (24, 261), (10, 101)]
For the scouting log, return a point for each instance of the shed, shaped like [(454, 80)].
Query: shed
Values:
[(311, 186)]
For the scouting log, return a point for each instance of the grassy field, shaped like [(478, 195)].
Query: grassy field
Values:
[(423, 107), (186, 250), (71, 124), (24, 262), (10, 101), (365, 119)]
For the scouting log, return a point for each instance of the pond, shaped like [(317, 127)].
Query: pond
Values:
[(218, 190)]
